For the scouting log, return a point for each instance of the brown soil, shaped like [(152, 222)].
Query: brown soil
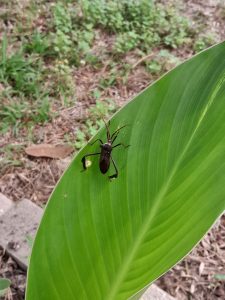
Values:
[(9, 269)]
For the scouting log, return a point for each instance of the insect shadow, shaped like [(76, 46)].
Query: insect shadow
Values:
[(106, 152)]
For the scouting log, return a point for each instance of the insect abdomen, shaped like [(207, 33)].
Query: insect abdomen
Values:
[(104, 162)]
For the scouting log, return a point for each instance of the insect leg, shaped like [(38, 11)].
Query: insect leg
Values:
[(96, 141), (121, 144), (115, 137), (107, 130), (116, 174), (83, 160)]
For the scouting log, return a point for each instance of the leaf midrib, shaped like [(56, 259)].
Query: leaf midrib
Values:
[(158, 199)]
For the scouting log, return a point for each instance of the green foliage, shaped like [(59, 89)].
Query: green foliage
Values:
[(37, 43), (162, 62), (20, 77), (11, 157), (62, 83), (102, 109), (204, 41), (138, 24), (70, 40), (109, 79), (20, 73), (22, 98), (80, 139), (50, 41), (154, 67), (62, 40), (17, 112), (88, 130), (220, 277), (110, 239), (4, 285), (126, 41)]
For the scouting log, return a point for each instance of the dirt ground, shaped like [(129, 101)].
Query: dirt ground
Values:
[(9, 269), (198, 276)]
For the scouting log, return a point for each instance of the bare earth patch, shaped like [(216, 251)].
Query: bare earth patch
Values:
[(195, 277), (9, 269)]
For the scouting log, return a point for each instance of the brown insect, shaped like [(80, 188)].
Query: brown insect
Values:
[(106, 150)]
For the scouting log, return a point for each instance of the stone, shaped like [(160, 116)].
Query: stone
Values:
[(155, 293), (5, 204), (18, 226)]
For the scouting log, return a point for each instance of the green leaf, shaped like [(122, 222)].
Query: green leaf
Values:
[(108, 240), (4, 285), (219, 277)]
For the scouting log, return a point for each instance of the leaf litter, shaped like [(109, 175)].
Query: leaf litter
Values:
[(48, 150)]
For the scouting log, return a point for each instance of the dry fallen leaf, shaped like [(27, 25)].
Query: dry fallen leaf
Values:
[(201, 268), (47, 150)]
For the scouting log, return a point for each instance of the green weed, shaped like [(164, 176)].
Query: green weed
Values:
[(19, 112), (37, 43), (138, 24), (62, 40), (204, 41), (161, 63), (10, 157), (95, 121), (50, 41), (21, 74)]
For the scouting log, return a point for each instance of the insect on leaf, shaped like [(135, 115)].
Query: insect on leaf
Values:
[(108, 240)]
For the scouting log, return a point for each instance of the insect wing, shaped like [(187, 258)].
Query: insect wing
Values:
[(104, 162)]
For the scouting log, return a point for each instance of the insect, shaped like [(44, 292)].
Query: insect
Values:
[(105, 153)]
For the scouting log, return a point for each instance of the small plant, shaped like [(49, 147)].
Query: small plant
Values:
[(178, 29), (108, 81), (70, 40), (95, 120), (126, 41), (11, 157), (154, 67), (37, 43), (138, 24), (42, 64), (61, 83), (80, 139), (62, 40), (4, 285), (204, 41), (162, 62), (21, 74), (16, 112), (220, 277), (89, 129), (100, 109)]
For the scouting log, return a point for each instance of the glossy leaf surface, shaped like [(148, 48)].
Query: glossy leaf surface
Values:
[(108, 240)]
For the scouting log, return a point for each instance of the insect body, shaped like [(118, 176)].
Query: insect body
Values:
[(105, 154), (104, 162)]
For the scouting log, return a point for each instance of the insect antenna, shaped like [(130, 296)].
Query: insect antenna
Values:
[(107, 129)]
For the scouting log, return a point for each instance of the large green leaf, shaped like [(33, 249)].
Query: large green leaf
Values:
[(107, 240)]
